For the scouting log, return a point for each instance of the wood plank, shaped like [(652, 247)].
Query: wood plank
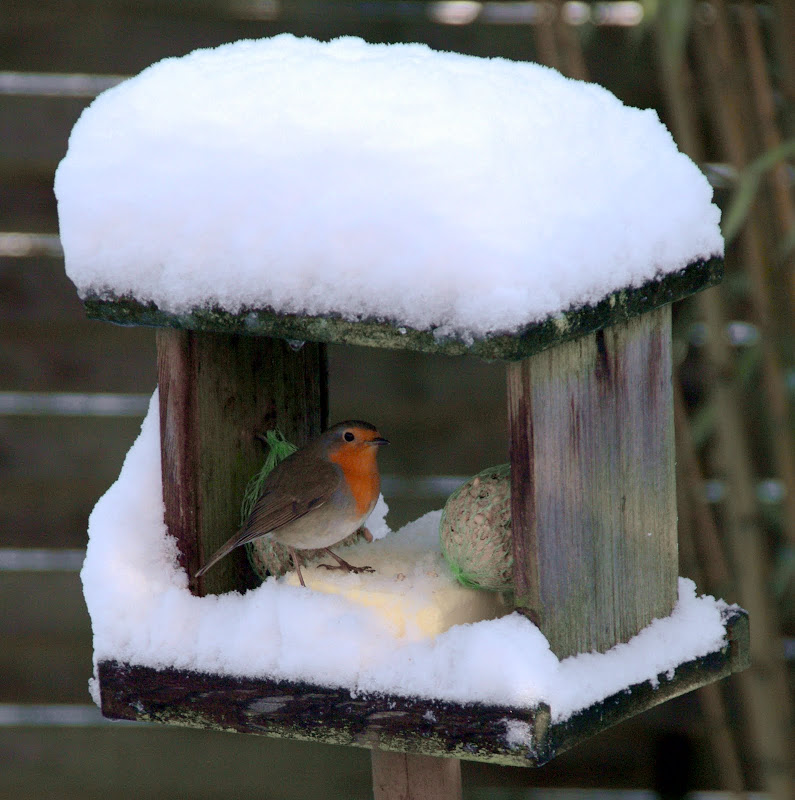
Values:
[(318, 713), (217, 393), (401, 776), (27, 203), (37, 289), (45, 669), (401, 391), (54, 469), (572, 324), (142, 33), (46, 636), (593, 485), (42, 513), (36, 132), (44, 448), (76, 357), (75, 38)]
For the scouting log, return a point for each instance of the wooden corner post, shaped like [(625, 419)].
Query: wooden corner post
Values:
[(217, 393), (593, 496)]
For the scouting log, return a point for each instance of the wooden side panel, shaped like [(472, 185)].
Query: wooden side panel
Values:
[(593, 484), (217, 392)]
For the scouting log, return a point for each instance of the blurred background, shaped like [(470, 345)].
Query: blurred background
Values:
[(73, 392)]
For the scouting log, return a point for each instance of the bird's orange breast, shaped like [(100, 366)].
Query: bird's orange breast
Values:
[(361, 473)]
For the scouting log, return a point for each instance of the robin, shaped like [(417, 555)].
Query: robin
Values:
[(316, 497)]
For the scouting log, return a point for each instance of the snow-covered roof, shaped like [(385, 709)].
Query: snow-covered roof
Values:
[(387, 182)]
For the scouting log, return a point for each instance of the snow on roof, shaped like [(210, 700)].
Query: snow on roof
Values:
[(143, 613), (392, 182)]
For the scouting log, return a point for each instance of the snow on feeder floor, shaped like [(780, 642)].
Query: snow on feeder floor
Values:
[(401, 651)]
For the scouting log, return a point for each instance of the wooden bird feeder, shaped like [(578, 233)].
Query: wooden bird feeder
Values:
[(590, 400), (593, 507)]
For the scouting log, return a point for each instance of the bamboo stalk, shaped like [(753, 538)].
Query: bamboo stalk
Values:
[(778, 177), (704, 559), (769, 708), (695, 565), (708, 553), (544, 37), (718, 62), (573, 61), (764, 107), (783, 32), (767, 703)]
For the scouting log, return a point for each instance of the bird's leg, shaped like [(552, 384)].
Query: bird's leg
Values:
[(297, 564), (342, 564)]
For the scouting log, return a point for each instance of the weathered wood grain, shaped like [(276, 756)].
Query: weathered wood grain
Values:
[(75, 357), (319, 713), (42, 131), (217, 392), (37, 289), (388, 722), (39, 513), (570, 325), (54, 469), (46, 646), (593, 484), (403, 776)]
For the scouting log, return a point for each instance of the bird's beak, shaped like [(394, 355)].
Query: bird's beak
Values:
[(379, 440)]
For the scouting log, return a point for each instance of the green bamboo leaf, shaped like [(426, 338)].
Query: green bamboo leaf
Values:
[(675, 20), (747, 186)]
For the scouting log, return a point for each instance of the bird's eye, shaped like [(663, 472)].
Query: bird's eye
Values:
[(348, 436)]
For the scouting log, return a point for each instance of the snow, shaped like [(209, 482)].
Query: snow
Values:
[(142, 613), (435, 190)]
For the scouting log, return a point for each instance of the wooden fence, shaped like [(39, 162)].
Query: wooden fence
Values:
[(62, 442)]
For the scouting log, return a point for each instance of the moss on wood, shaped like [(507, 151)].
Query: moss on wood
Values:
[(616, 307), (471, 731)]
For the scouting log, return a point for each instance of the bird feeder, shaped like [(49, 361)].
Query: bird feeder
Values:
[(593, 502)]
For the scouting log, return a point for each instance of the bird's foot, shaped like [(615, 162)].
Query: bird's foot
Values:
[(296, 563), (342, 564), (347, 567)]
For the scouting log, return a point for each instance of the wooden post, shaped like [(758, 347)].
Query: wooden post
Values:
[(217, 392), (593, 497), (403, 776)]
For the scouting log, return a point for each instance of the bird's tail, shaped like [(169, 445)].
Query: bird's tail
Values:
[(222, 551)]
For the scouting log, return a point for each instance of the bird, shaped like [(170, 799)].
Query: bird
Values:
[(317, 496)]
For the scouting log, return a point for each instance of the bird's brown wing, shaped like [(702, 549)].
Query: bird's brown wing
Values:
[(293, 489)]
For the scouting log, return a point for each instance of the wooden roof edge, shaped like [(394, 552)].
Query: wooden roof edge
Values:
[(616, 307)]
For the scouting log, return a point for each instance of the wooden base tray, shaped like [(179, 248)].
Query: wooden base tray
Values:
[(467, 731)]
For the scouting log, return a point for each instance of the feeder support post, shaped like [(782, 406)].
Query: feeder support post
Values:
[(593, 494), (218, 392)]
